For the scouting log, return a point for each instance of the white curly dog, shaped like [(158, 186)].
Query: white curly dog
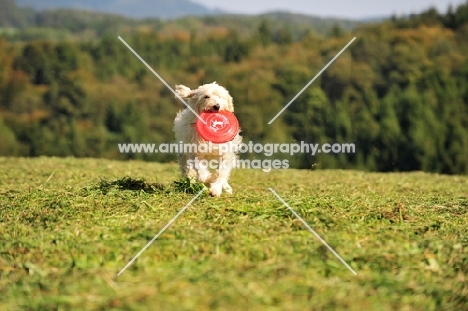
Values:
[(206, 98)]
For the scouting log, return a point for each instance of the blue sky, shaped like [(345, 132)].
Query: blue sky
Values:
[(337, 8)]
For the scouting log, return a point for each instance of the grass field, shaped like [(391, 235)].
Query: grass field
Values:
[(65, 234)]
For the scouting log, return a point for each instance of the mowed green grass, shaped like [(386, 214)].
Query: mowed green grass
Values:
[(63, 241)]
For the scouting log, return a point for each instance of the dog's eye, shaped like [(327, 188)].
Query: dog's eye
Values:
[(206, 96)]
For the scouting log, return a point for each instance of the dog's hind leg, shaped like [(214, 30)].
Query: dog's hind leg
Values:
[(187, 167)]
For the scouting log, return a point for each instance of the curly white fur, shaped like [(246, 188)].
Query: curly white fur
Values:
[(209, 97)]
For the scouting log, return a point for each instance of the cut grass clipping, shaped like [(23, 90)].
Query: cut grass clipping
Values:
[(129, 183), (186, 185)]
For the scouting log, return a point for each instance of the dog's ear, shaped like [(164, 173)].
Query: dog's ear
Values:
[(184, 91), (230, 103), (230, 100)]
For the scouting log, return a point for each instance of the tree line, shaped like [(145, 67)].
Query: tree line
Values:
[(399, 92)]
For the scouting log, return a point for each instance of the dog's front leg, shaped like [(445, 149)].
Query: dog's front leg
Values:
[(220, 182)]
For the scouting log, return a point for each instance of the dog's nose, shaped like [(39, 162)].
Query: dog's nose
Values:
[(216, 107)]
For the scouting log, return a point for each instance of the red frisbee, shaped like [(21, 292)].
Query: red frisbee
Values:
[(220, 126)]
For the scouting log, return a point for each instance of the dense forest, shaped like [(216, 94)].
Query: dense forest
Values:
[(399, 92)]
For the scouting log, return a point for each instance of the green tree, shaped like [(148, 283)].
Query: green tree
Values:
[(264, 32), (36, 60)]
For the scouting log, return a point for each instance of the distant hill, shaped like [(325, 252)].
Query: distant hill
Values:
[(13, 16), (129, 8), (19, 23)]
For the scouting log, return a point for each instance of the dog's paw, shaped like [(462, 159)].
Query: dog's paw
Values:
[(227, 188), (216, 190)]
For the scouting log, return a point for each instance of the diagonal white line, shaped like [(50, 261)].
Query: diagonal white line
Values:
[(310, 82), (42, 186), (162, 80), (160, 232), (312, 230)]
